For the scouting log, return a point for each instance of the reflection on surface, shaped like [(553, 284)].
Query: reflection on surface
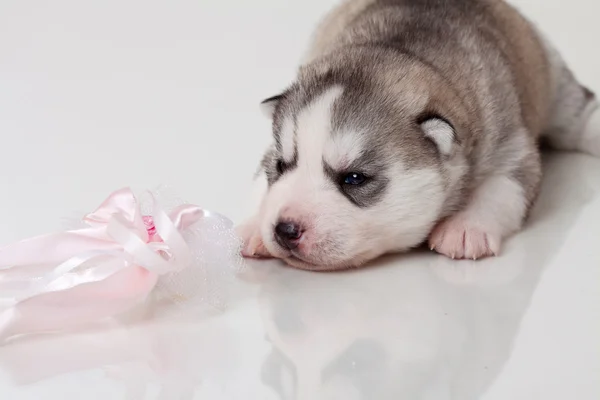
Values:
[(418, 326), (414, 327)]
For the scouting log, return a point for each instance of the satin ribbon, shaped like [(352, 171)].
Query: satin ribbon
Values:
[(56, 281)]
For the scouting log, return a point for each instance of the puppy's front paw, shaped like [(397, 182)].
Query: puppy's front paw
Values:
[(253, 245), (460, 238)]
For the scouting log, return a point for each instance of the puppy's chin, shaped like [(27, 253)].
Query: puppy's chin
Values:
[(297, 262), (300, 264)]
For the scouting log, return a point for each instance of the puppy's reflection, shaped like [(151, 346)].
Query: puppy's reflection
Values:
[(162, 357), (416, 326)]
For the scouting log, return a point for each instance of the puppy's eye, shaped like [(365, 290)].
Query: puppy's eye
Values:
[(281, 166), (354, 178)]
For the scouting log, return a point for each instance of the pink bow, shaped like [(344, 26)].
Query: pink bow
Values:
[(56, 281)]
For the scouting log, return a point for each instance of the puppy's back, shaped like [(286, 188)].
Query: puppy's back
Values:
[(482, 47)]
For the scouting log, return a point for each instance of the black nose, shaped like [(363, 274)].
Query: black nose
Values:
[(287, 234)]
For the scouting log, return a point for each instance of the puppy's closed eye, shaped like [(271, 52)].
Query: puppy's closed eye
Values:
[(281, 166)]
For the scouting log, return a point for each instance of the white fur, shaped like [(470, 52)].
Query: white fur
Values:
[(409, 209), (314, 126), (510, 153), (574, 119), (296, 193), (499, 205), (496, 210), (590, 137), (441, 133), (342, 149), (337, 232)]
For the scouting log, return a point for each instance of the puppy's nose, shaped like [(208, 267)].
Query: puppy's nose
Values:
[(287, 234)]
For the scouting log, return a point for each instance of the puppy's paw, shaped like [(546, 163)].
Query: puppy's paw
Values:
[(253, 246), (460, 238)]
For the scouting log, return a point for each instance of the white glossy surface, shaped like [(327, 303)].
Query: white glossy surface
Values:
[(94, 96)]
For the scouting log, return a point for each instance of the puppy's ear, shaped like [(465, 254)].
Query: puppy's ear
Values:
[(268, 105), (440, 132)]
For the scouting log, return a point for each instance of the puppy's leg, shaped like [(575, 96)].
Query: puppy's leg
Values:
[(496, 209), (250, 234), (589, 140), (574, 123), (249, 231)]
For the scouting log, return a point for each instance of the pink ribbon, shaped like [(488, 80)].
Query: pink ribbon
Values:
[(57, 281)]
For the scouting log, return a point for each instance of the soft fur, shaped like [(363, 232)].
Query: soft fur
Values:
[(440, 104)]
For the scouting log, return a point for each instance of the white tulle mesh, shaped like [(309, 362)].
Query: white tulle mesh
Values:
[(216, 259)]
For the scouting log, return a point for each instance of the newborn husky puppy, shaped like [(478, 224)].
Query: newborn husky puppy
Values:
[(414, 121)]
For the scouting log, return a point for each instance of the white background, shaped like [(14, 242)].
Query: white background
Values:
[(99, 95), (96, 95)]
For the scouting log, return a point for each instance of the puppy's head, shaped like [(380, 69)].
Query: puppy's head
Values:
[(363, 162)]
